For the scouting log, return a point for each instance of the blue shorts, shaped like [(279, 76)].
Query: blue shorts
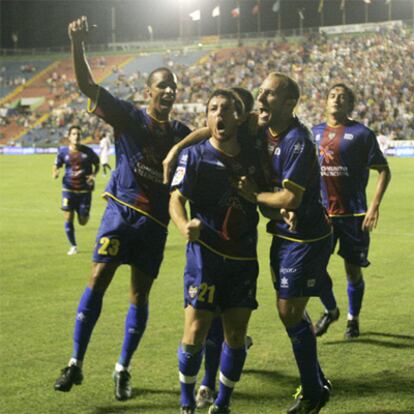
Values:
[(353, 241), (127, 236), (214, 282), (299, 269), (79, 202)]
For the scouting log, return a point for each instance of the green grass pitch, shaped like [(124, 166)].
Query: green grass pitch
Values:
[(40, 287)]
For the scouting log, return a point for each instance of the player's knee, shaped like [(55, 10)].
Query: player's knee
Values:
[(195, 333), (101, 276), (236, 338), (139, 298), (83, 220), (289, 318)]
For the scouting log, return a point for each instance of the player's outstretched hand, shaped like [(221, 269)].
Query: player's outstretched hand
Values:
[(78, 29), (193, 230)]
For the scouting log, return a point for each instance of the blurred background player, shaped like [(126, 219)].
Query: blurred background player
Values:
[(298, 256), (222, 267), (81, 166), (133, 228), (347, 151), (104, 149)]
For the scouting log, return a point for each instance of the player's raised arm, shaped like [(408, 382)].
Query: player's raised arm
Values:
[(78, 33), (170, 160)]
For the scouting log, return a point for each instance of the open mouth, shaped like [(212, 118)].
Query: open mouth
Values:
[(166, 102), (221, 127)]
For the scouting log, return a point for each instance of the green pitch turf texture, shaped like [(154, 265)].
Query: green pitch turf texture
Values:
[(40, 287)]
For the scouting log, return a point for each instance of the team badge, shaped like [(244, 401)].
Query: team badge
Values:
[(192, 291), (178, 176), (349, 137), (311, 283), (284, 283), (331, 136)]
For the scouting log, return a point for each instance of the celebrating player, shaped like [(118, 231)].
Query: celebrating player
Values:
[(347, 150), (81, 166), (222, 266), (133, 229), (298, 256)]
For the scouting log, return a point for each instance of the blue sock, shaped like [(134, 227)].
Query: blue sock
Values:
[(189, 362), (327, 296), (231, 366), (135, 324), (70, 232), (304, 348), (212, 353), (87, 314), (355, 295)]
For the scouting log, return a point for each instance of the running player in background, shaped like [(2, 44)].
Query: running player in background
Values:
[(133, 229), (347, 151), (299, 255), (81, 166), (222, 266)]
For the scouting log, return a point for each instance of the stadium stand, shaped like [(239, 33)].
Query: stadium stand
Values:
[(378, 66)]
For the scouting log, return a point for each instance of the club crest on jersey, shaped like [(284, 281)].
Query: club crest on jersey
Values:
[(192, 291), (331, 136), (284, 282), (277, 151), (311, 283), (297, 148), (178, 176), (348, 137)]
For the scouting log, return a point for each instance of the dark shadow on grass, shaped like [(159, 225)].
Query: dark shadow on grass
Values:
[(406, 411), (388, 335), (136, 405), (373, 338)]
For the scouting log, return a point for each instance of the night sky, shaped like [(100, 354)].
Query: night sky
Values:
[(44, 23)]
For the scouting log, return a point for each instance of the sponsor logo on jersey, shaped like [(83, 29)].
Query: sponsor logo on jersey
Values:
[(318, 137), (311, 283), (277, 151), (287, 270), (349, 137), (178, 176)]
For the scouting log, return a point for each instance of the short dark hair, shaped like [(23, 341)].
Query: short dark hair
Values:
[(150, 78), (228, 93), (246, 97), (289, 85), (74, 127), (349, 93)]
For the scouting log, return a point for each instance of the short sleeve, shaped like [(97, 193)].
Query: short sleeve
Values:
[(299, 155), (116, 112), (185, 175), (375, 156)]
